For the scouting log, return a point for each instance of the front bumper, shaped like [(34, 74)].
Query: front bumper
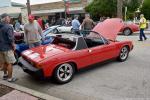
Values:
[(30, 69)]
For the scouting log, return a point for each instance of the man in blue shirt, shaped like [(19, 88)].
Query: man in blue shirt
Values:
[(76, 25), (7, 48)]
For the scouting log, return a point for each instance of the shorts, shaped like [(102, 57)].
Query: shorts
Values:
[(7, 57)]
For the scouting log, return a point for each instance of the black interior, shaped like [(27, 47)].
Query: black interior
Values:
[(64, 42), (93, 42)]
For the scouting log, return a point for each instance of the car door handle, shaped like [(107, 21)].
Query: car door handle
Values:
[(89, 51)]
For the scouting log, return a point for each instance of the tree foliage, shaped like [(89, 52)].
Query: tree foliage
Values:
[(102, 8), (108, 8), (146, 8)]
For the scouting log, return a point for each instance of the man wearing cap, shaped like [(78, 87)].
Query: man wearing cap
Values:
[(7, 47), (33, 32)]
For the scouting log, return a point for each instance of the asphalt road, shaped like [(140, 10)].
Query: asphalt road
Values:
[(112, 80)]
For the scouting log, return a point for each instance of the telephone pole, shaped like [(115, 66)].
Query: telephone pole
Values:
[(28, 7)]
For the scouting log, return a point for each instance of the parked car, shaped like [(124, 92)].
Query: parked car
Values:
[(65, 29), (21, 45), (129, 28), (68, 54)]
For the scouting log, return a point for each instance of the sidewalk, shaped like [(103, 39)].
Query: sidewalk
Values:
[(16, 92)]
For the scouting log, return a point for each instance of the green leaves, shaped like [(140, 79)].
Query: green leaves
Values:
[(146, 8), (108, 8)]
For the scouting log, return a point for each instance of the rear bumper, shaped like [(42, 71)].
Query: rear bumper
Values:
[(30, 69)]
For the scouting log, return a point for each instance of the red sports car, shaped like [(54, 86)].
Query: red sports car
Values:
[(68, 54), (129, 28)]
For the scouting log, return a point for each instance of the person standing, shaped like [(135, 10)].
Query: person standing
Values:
[(33, 32), (142, 26), (17, 26), (40, 21), (88, 23), (76, 25), (7, 47)]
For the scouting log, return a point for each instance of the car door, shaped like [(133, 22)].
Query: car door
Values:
[(102, 51), (83, 58)]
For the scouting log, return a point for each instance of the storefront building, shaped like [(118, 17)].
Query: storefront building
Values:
[(56, 10)]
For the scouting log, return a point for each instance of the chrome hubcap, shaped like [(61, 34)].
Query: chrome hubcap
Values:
[(65, 72), (124, 53), (127, 32)]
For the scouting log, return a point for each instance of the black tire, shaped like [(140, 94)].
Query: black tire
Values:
[(124, 53), (64, 73), (127, 32)]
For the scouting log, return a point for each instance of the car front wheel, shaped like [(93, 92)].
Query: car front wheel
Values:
[(127, 32), (124, 52), (64, 73)]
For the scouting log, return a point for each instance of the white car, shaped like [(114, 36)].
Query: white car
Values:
[(65, 29)]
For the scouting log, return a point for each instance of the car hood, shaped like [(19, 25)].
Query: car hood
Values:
[(42, 52), (109, 28)]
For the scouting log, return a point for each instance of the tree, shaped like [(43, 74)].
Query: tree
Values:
[(102, 8), (119, 8), (132, 6), (99, 8), (146, 8)]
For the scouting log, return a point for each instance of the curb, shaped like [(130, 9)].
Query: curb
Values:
[(29, 91)]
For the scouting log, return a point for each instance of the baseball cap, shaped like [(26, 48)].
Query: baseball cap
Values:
[(31, 17), (4, 15)]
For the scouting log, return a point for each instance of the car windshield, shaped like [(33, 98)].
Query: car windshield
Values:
[(93, 39), (47, 31)]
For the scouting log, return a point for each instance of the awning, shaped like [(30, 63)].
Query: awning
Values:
[(76, 9), (12, 11), (15, 15)]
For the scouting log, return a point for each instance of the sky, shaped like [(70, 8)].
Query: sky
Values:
[(34, 1)]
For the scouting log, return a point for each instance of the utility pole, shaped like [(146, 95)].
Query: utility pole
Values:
[(119, 8), (28, 7), (66, 4)]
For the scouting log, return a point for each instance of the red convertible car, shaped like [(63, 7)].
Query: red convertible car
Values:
[(68, 54), (129, 28)]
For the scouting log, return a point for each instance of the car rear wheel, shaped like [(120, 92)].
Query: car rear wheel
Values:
[(127, 32), (64, 73), (124, 52)]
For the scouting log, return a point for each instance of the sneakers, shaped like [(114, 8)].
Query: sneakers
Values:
[(5, 77), (140, 40), (12, 79)]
